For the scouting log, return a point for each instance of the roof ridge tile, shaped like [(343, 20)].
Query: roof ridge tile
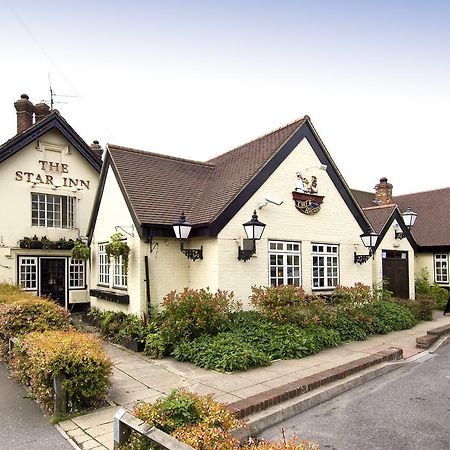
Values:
[(159, 155)]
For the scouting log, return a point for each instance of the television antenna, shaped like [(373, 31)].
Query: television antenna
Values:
[(52, 95)]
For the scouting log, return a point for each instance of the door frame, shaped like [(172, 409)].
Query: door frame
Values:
[(66, 278)]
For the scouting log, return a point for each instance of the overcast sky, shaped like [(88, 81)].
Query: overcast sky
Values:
[(197, 78)]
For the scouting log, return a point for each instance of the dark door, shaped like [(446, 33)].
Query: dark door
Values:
[(53, 279), (395, 272)]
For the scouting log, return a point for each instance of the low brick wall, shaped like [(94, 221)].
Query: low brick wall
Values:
[(264, 400), (432, 336)]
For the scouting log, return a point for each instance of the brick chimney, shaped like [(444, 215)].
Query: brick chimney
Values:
[(25, 110), (97, 149), (383, 192), (41, 111)]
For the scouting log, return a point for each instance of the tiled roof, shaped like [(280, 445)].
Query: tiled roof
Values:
[(160, 187), (432, 227), (364, 199), (379, 215)]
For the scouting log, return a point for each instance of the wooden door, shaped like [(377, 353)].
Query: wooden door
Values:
[(395, 272)]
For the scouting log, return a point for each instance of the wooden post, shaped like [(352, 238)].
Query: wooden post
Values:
[(60, 404)]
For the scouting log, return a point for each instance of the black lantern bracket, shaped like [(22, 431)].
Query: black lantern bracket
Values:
[(245, 255), (254, 230), (361, 259), (192, 253), (369, 239)]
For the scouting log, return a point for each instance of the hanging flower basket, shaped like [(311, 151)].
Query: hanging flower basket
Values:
[(118, 247), (80, 251)]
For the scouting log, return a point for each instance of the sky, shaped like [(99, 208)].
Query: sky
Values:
[(194, 79)]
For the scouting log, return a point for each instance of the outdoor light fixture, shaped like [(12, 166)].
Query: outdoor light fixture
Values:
[(182, 229), (409, 217), (369, 239), (398, 232), (254, 230)]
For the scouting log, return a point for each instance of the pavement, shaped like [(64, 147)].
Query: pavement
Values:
[(136, 377), (23, 425)]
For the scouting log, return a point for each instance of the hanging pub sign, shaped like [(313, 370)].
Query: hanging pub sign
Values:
[(305, 195)]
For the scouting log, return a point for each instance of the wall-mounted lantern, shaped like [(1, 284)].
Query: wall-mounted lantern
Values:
[(398, 232), (182, 228), (254, 230), (369, 239), (409, 217)]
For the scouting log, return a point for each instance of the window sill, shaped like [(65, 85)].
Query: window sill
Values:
[(121, 288), (121, 299)]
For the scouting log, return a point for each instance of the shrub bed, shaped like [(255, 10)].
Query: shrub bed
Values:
[(254, 341), (191, 313), (200, 422), (41, 356), (24, 313)]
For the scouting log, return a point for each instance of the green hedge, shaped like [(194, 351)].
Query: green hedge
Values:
[(42, 356)]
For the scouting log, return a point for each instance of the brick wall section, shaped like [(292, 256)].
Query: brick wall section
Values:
[(259, 402), (432, 336)]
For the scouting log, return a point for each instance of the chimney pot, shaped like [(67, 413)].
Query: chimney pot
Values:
[(97, 149), (41, 110), (383, 192), (25, 110)]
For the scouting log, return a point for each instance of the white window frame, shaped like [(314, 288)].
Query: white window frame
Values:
[(441, 268), (30, 264), (285, 253), (103, 265), (328, 254), (77, 269), (120, 276), (47, 210)]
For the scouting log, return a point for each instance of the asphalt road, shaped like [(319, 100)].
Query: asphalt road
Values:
[(408, 408), (23, 426)]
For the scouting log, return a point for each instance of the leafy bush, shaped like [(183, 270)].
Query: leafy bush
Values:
[(201, 423), (181, 408), (252, 340), (8, 292), (225, 352), (111, 322), (155, 346), (355, 296), (29, 313), (437, 293), (134, 328), (191, 313), (422, 307), (440, 296), (290, 304), (391, 316), (422, 285), (80, 357), (349, 329)]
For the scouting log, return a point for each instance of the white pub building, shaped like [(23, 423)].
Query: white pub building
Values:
[(48, 180)]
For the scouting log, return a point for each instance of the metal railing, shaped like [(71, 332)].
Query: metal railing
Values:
[(125, 423)]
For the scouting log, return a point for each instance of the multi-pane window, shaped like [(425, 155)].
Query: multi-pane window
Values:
[(54, 211), (76, 274), (325, 266), (284, 263), (120, 276), (103, 265), (441, 268), (28, 273)]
